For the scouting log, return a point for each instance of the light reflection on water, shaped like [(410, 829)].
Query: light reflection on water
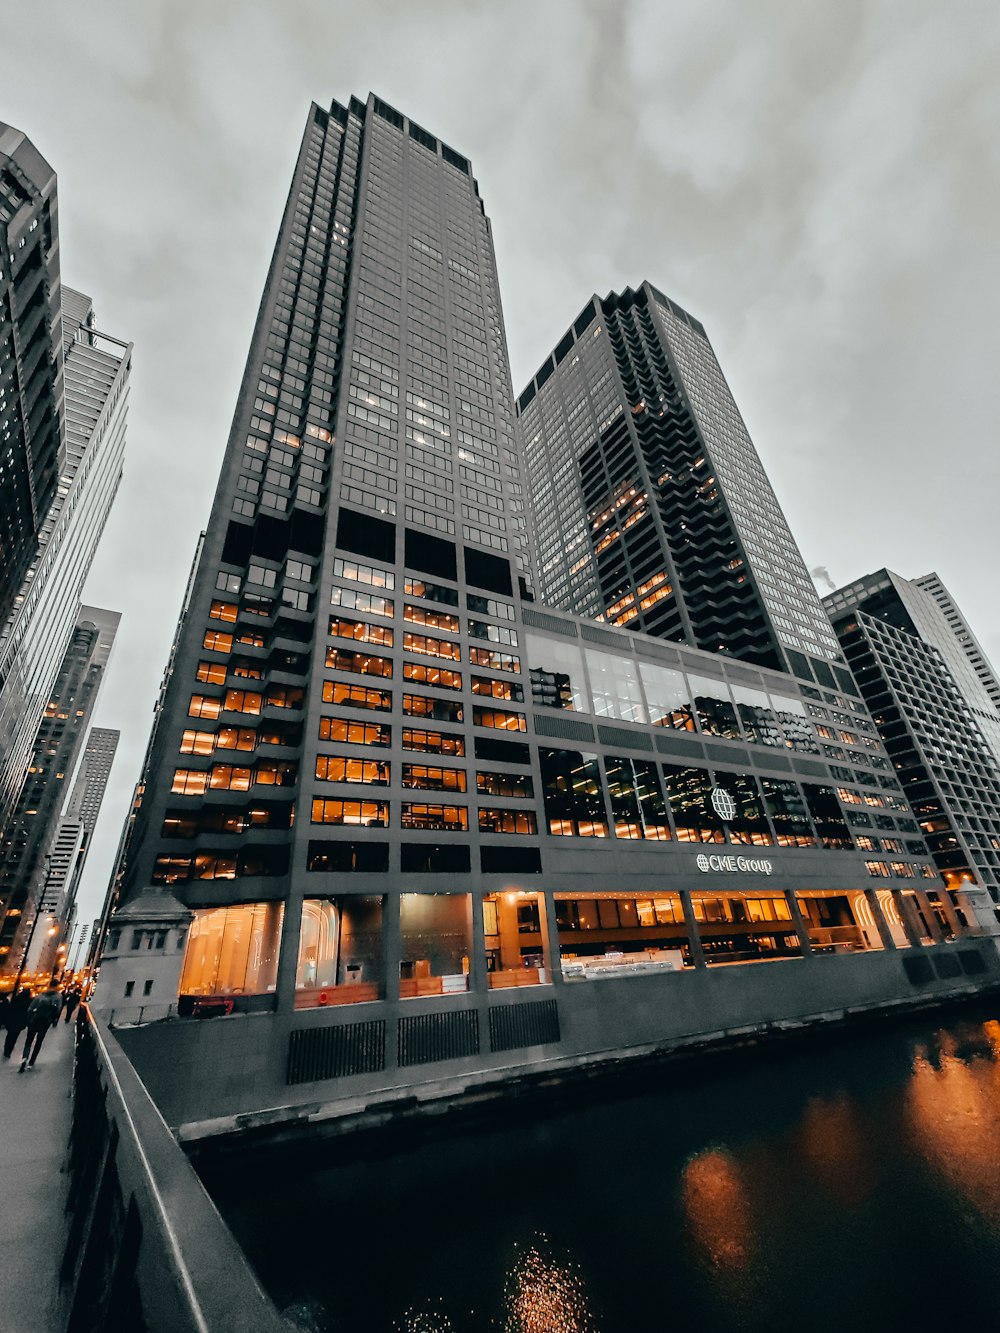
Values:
[(852, 1185)]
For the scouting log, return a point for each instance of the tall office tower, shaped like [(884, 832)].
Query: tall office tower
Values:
[(375, 424), (27, 837), (30, 356), (35, 636), (920, 689), (651, 507), (963, 635)]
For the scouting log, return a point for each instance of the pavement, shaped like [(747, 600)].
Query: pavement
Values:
[(35, 1112)]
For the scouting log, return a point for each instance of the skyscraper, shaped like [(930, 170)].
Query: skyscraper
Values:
[(97, 371), (934, 715), (27, 837), (651, 507), (30, 356), (424, 827)]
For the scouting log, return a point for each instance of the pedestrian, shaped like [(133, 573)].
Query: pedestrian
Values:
[(43, 1013), (17, 1016), (71, 1001)]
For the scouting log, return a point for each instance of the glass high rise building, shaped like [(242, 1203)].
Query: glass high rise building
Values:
[(420, 825), (651, 507)]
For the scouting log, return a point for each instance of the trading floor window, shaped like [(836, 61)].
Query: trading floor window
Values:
[(233, 951), (515, 953), (340, 951), (668, 697), (436, 939), (637, 804), (573, 793), (714, 707), (689, 792)]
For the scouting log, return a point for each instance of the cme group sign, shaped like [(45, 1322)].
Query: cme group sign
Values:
[(733, 865)]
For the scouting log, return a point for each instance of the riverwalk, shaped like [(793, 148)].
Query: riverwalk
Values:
[(35, 1114)]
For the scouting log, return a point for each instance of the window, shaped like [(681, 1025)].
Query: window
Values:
[(431, 647), (298, 569), (425, 674), (233, 950), (614, 686), (215, 641), (266, 578), (367, 814), (786, 808), (498, 719), (486, 606), (361, 664), (432, 778), (197, 742), (637, 804), (340, 957), (436, 939), (374, 772), (497, 820), (433, 592), (349, 732), (714, 706), (485, 657), (189, 782), (512, 926), (361, 631), (505, 784), (557, 679), (441, 710), (227, 777), (202, 705), (573, 794), (213, 673), (419, 615), (224, 611), (356, 696), (689, 795), (444, 818), (372, 575), (480, 629), (434, 742), (353, 600), (497, 689), (243, 701)]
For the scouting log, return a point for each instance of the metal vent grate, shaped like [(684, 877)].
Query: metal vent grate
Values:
[(620, 641), (334, 1052), (563, 727), (539, 620), (533, 1024), (427, 1037), (628, 740)]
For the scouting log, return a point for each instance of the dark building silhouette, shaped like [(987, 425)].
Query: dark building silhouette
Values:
[(31, 362)]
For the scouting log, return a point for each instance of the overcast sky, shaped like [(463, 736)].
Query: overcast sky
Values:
[(817, 182)]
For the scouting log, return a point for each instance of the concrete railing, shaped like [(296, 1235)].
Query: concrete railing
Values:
[(145, 1246)]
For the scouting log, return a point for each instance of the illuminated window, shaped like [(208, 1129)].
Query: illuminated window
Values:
[(340, 951), (497, 689), (433, 592), (480, 629), (360, 631), (504, 784), (354, 733), (238, 738), (355, 696), (189, 782), (498, 719), (441, 710), (233, 950), (215, 641), (371, 575), (360, 664), (213, 673), (436, 742), (243, 701), (573, 794), (353, 600), (444, 818), (366, 814), (637, 804), (431, 647), (515, 951), (436, 941), (224, 611), (496, 820), (197, 742), (201, 705), (486, 657), (433, 779), (331, 768), (419, 615), (227, 777)]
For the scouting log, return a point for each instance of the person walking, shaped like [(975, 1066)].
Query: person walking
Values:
[(15, 1018), (71, 1000), (43, 1013)]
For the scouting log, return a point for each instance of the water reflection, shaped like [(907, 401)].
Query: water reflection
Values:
[(852, 1184)]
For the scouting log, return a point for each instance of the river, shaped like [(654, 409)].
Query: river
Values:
[(850, 1185)]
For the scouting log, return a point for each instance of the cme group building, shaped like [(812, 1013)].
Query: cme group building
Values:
[(499, 734)]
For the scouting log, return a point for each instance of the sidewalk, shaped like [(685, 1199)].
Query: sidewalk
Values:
[(34, 1130)]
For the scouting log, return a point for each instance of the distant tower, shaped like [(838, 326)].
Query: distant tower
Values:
[(24, 867), (37, 632)]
